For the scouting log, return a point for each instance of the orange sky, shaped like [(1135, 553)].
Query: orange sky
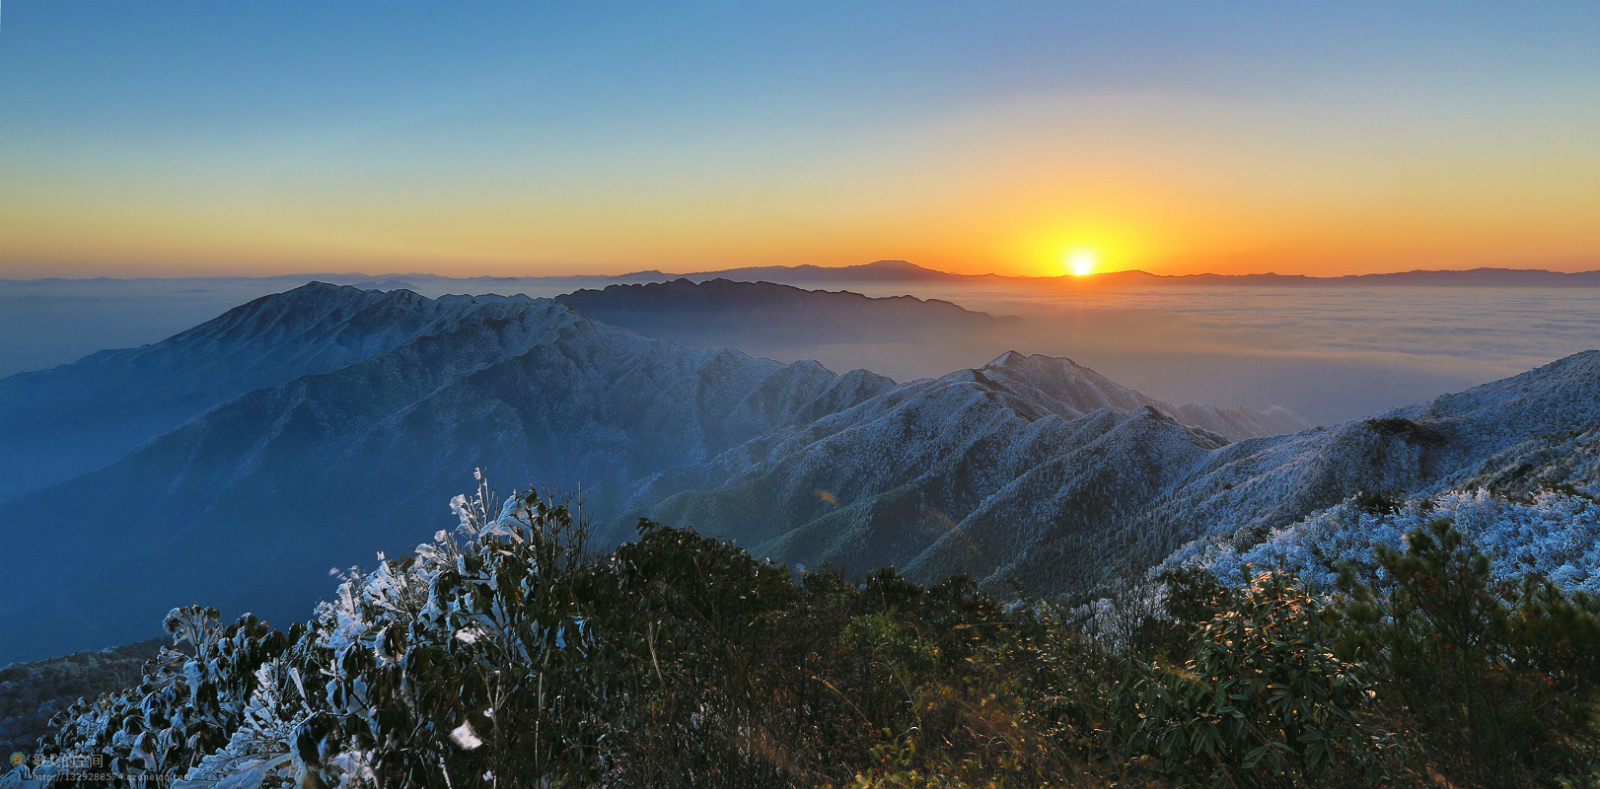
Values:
[(1312, 141)]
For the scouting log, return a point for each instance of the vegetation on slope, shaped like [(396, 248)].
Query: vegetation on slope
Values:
[(32, 693), (508, 654)]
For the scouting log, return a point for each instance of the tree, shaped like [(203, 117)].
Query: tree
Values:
[(1498, 681)]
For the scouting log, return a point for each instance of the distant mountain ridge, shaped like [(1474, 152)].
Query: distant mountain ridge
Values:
[(724, 293), (903, 271), (897, 271), (725, 312), (1476, 277)]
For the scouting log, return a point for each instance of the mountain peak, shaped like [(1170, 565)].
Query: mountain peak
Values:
[(1005, 359), (318, 286), (315, 328), (896, 265), (318, 290), (1015, 359), (1058, 385)]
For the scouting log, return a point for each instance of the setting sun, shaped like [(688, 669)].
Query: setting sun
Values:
[(1080, 263)]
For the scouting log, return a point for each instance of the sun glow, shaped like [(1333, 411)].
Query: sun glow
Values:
[(1081, 262)]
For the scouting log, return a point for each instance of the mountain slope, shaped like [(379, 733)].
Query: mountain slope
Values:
[(251, 502), (1513, 437), (1027, 437), (1032, 473), (722, 312), (1006, 474), (67, 420)]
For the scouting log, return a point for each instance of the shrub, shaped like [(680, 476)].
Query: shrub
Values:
[(1499, 682), (508, 653), (1262, 701)]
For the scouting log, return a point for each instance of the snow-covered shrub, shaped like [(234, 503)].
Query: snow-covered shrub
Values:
[(504, 653), (358, 695), (1556, 534)]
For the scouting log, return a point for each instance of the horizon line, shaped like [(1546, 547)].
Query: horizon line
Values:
[(810, 267)]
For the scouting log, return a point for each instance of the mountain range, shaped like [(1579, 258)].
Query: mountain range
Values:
[(63, 421), (725, 312), (890, 272), (67, 420), (1050, 494), (308, 429), (900, 271)]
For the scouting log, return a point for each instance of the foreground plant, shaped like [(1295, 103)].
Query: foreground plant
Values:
[(508, 654)]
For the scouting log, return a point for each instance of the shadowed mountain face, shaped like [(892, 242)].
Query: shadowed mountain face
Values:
[(250, 503), (1031, 472), (67, 420), (721, 312)]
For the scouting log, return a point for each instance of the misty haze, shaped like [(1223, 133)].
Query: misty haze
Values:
[(1330, 353)]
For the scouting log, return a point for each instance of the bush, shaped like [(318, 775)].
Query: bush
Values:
[(1499, 682), (508, 653), (31, 693), (1262, 702)]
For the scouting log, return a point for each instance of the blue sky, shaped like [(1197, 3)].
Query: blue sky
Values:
[(167, 137)]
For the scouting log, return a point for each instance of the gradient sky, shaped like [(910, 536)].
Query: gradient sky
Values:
[(165, 138)]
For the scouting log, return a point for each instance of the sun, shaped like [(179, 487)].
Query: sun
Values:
[(1081, 262)]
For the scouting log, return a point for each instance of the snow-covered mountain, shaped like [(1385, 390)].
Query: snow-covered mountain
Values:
[(1516, 435), (347, 419), (969, 472), (249, 503), (1530, 432), (1515, 464), (67, 420), (1037, 475)]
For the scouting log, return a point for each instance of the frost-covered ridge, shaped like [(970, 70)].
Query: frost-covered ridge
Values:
[(71, 419), (1033, 474), (1556, 534), (1009, 473), (250, 502)]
